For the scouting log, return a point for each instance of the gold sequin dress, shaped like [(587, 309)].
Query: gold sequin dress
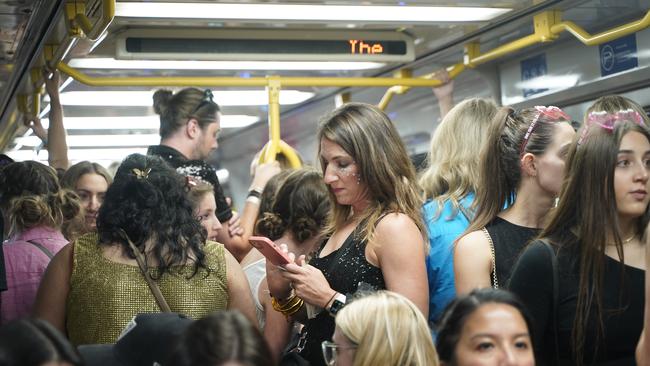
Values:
[(105, 295)]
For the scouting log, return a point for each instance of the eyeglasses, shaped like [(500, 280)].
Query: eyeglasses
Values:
[(554, 113), (330, 351), (608, 121)]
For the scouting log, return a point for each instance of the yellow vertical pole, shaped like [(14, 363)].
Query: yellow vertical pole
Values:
[(273, 89)]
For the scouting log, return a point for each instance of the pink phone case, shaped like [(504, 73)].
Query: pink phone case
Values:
[(269, 250)]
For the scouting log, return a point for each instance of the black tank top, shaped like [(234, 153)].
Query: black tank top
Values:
[(345, 269), (508, 240)]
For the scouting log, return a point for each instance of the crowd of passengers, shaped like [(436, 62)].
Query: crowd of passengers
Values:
[(521, 241)]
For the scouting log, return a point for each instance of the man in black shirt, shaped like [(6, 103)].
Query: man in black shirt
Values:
[(189, 127)]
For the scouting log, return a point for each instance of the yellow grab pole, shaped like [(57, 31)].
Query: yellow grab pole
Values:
[(207, 81), (503, 50), (274, 119), (291, 155), (606, 36), (93, 32), (453, 71)]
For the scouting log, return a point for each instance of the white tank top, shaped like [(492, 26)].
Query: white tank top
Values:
[(256, 273)]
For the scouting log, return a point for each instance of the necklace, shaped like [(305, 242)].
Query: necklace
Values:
[(624, 241), (629, 239)]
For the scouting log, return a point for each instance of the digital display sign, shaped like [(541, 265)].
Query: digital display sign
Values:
[(267, 46)]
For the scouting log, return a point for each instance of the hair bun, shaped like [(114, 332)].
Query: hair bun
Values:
[(161, 100), (30, 210), (270, 225), (304, 228)]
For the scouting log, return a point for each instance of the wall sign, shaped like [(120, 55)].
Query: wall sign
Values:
[(618, 55), (532, 68)]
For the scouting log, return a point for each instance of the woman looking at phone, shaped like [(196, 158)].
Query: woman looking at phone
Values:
[(375, 233), (296, 218)]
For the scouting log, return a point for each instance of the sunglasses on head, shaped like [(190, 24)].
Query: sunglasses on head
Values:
[(608, 121), (207, 99)]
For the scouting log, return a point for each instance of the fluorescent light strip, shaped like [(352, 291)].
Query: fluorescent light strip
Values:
[(141, 122), (79, 154), (144, 98), (111, 63), (99, 140), (291, 12), (549, 82)]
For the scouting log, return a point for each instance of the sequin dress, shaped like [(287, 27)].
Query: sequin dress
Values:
[(105, 295), (344, 271)]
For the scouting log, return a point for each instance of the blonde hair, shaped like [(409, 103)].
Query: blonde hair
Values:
[(60, 210), (370, 138), (389, 330), (453, 162), (198, 190)]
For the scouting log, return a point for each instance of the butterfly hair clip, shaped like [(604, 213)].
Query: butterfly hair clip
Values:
[(141, 174)]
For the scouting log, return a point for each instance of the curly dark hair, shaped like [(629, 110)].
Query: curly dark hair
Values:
[(148, 201)]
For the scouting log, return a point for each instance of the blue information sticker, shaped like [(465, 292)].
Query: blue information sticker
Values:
[(532, 68), (618, 55)]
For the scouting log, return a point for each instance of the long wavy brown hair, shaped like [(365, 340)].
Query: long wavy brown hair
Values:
[(370, 138), (586, 202)]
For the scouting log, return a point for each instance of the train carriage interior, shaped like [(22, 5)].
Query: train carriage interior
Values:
[(114, 54)]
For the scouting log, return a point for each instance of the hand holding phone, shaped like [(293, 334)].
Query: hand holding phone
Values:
[(269, 250)]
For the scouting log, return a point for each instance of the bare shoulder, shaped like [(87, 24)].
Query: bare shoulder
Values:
[(63, 258), (476, 240), (396, 224), (394, 235)]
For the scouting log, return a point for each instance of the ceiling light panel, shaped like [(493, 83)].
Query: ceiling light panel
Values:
[(318, 13), (145, 98), (142, 122), (111, 63)]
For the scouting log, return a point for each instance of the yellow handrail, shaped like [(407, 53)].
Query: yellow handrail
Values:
[(547, 28), (284, 149), (606, 36), (94, 31), (237, 81), (453, 71)]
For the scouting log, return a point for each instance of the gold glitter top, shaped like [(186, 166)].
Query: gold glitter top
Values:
[(105, 295)]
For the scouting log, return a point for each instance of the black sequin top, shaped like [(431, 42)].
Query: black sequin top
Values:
[(198, 169), (345, 269)]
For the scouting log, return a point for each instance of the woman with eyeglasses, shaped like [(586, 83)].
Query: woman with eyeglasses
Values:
[(583, 280), (375, 236), (522, 167), (383, 328)]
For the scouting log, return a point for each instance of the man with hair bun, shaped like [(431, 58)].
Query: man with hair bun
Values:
[(189, 127)]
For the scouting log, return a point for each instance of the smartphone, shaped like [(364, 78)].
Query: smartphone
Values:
[(269, 250)]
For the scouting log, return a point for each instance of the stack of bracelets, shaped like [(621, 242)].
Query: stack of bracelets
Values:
[(289, 307)]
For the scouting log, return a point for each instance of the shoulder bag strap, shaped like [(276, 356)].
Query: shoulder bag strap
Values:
[(42, 248), (495, 281), (153, 286), (556, 296)]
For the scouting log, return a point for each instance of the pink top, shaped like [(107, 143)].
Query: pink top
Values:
[(25, 264)]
